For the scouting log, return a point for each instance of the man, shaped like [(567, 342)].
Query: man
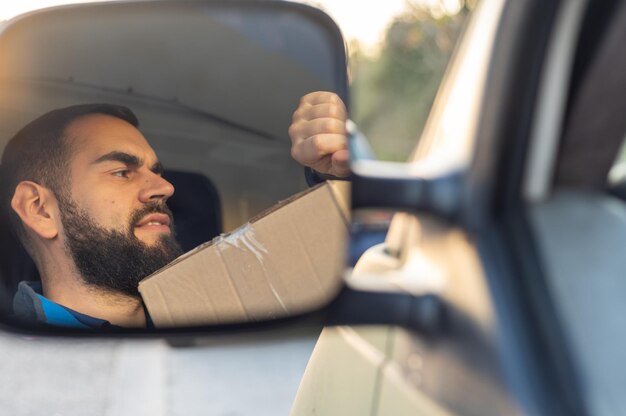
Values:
[(87, 200), (89, 207)]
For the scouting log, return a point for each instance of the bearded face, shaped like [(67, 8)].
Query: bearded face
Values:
[(115, 259)]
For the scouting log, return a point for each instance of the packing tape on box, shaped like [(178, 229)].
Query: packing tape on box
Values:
[(243, 238)]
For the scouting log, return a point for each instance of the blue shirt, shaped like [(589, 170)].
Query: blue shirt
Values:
[(29, 304)]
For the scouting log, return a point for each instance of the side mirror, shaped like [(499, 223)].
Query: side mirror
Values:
[(214, 85)]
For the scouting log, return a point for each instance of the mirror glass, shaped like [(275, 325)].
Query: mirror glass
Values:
[(213, 86)]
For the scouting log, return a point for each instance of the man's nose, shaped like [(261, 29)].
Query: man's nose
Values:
[(155, 187)]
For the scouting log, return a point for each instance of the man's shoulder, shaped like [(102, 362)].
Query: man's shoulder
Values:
[(29, 305)]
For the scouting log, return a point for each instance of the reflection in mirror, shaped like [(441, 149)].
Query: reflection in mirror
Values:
[(187, 149)]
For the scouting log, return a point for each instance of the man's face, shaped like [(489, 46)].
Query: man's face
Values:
[(116, 225)]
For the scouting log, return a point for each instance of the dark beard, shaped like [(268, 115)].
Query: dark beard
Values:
[(114, 260)]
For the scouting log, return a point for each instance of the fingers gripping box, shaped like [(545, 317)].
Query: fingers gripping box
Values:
[(286, 260)]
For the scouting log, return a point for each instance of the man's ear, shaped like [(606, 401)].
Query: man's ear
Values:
[(37, 208)]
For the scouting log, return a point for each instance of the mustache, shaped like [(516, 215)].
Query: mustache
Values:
[(151, 208)]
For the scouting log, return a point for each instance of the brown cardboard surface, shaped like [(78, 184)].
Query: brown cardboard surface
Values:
[(287, 260)]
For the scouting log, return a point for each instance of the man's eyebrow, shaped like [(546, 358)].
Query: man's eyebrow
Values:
[(117, 156), (129, 160)]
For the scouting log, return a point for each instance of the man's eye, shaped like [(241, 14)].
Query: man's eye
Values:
[(121, 173)]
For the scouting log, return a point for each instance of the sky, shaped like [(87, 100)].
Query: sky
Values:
[(362, 20)]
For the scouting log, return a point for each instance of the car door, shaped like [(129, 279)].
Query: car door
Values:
[(579, 221)]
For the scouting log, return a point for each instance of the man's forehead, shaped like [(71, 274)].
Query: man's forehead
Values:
[(97, 134)]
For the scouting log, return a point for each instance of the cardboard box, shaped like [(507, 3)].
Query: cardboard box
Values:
[(287, 260)]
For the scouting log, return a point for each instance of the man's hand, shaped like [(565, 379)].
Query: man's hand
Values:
[(318, 134)]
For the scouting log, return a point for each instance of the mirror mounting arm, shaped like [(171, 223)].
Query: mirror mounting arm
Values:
[(399, 190), (425, 314)]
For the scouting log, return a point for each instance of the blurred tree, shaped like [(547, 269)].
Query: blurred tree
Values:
[(392, 92)]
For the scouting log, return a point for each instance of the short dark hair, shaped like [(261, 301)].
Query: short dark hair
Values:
[(40, 152)]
